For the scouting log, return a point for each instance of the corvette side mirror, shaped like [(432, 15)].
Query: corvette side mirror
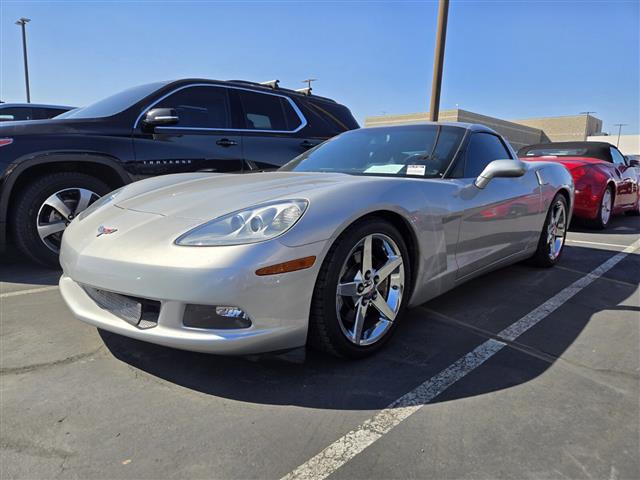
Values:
[(634, 163), (160, 117), (500, 168)]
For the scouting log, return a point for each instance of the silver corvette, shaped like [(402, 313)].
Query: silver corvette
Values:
[(327, 251)]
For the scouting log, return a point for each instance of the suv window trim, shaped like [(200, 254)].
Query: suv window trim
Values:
[(303, 120)]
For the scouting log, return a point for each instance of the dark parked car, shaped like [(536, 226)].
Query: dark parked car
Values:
[(11, 112), (51, 170)]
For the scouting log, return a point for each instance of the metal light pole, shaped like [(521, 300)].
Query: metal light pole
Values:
[(23, 23), (438, 60), (619, 125)]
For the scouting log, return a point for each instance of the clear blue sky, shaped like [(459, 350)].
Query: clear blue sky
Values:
[(507, 59)]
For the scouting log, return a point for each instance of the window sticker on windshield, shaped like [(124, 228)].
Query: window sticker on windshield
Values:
[(416, 170), (390, 168)]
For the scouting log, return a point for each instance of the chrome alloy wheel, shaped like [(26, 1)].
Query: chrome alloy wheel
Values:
[(370, 289), (58, 210), (605, 209), (557, 229)]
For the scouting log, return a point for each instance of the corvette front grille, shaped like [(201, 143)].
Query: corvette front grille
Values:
[(139, 312)]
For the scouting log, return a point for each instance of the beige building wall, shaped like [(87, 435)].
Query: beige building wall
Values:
[(629, 144), (517, 135), (565, 129)]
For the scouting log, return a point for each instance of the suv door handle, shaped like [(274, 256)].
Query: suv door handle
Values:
[(307, 144), (225, 142)]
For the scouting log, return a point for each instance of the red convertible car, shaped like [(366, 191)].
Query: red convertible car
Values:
[(606, 182)]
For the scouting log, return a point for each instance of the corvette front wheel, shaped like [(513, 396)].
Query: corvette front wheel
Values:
[(361, 291), (554, 234)]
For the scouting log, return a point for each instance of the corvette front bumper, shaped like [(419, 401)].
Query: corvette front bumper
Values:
[(277, 305)]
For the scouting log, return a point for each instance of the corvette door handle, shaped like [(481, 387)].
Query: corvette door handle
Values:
[(225, 142), (307, 144)]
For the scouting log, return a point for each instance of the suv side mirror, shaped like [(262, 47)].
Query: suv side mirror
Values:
[(160, 116), (500, 168)]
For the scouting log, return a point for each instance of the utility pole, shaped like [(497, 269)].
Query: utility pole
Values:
[(22, 22), (619, 125), (438, 59)]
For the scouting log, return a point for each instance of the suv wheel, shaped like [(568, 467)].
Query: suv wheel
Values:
[(44, 209)]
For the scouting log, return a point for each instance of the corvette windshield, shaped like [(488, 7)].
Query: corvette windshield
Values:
[(412, 150), (114, 104)]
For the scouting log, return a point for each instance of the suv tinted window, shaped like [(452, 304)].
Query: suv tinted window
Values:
[(483, 149), (15, 113), (618, 158), (337, 115), (267, 112), (200, 107)]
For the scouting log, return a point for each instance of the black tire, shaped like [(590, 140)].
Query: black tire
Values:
[(597, 222), (325, 333), (27, 205), (542, 257)]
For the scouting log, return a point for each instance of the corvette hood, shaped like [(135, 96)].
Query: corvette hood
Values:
[(207, 196)]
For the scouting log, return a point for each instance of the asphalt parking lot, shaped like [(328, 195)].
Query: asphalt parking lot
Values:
[(523, 373)]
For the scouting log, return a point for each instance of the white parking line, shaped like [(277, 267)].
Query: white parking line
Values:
[(27, 292), (569, 240), (347, 447)]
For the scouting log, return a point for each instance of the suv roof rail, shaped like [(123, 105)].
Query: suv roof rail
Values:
[(272, 84), (302, 91)]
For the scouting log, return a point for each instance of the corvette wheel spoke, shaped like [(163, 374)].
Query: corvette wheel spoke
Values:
[(358, 324), (381, 305), (367, 260)]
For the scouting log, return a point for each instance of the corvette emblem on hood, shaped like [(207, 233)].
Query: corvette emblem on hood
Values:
[(102, 230)]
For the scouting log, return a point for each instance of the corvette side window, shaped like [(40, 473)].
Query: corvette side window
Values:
[(618, 159), (483, 149), (200, 107)]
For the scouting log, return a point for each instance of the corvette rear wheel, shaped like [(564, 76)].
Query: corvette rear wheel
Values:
[(554, 233), (361, 291), (604, 211), (44, 209)]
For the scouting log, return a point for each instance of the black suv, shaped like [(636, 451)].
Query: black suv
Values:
[(50, 170)]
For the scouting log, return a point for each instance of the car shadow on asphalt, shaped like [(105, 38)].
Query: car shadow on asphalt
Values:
[(424, 344), (14, 268), (618, 225)]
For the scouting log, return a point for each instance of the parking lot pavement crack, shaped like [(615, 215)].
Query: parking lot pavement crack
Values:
[(55, 363), (487, 335), (34, 449), (568, 365), (607, 279)]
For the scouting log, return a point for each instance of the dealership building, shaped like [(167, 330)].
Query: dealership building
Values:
[(520, 132)]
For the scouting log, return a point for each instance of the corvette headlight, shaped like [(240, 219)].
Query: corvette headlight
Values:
[(102, 201), (251, 225)]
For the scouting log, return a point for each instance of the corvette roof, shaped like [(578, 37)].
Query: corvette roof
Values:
[(599, 150)]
